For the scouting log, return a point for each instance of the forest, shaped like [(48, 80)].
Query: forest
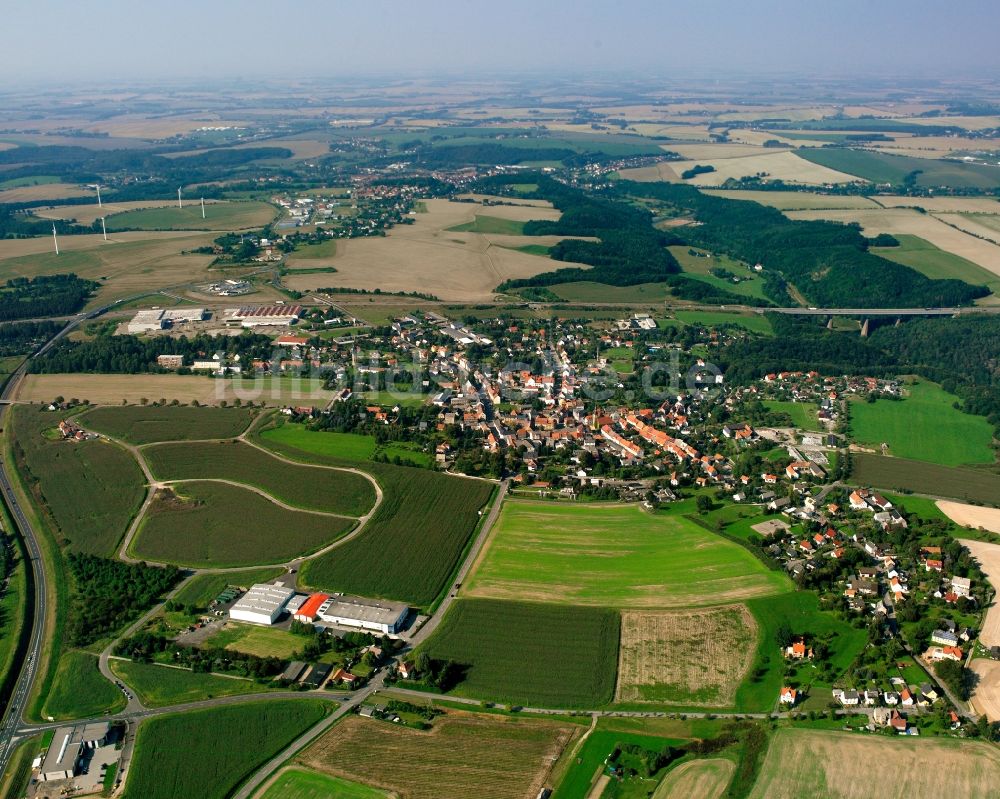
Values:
[(134, 355), (47, 295), (828, 262)]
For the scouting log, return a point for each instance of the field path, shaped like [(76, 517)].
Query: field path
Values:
[(246, 487)]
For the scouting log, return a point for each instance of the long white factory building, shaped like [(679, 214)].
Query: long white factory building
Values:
[(262, 604)]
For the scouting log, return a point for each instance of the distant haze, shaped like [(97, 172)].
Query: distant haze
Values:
[(70, 41)]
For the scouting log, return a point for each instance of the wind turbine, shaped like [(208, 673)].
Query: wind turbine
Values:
[(54, 239), (179, 203), (202, 207), (104, 229), (98, 187)]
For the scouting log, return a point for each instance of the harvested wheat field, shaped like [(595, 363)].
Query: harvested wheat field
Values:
[(45, 191), (463, 755), (971, 515), (988, 556), (428, 257), (712, 150), (697, 779), (984, 226), (112, 389), (837, 765), (87, 214), (692, 657), (954, 205), (662, 171), (985, 697), (908, 221), (784, 166)]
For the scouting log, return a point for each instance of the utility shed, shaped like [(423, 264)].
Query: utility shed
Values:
[(262, 604)]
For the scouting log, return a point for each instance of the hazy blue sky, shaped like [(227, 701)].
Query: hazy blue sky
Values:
[(72, 40)]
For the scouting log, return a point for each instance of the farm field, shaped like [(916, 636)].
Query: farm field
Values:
[(427, 257), (884, 168), (704, 779), (947, 205), (261, 641), (692, 658), (138, 424), (988, 556), (811, 763), (309, 253), (755, 323), (79, 690), (218, 216), (88, 214), (159, 686), (203, 588), (614, 556), (91, 488), (166, 746), (921, 477), (923, 426), (798, 200), (530, 653), (490, 224), (587, 291), (985, 697), (195, 527), (906, 221), (970, 515), (936, 263), (348, 446), (463, 755), (786, 166), (45, 190), (128, 264), (662, 171), (803, 413), (297, 783), (984, 226), (306, 487)]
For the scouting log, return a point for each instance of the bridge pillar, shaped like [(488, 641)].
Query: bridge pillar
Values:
[(864, 329), (829, 322)]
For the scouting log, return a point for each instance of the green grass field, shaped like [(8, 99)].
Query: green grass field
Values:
[(801, 611), (937, 264), (921, 477), (588, 291), (203, 588), (413, 542), (924, 426), (615, 556), (484, 223), (160, 686), (302, 486), (79, 691), (347, 446), (700, 268), (600, 744), (261, 641), (530, 653), (12, 614), (208, 753), (297, 783), (139, 424), (884, 168), (752, 322), (220, 525), (803, 413), (218, 216), (313, 252), (92, 488)]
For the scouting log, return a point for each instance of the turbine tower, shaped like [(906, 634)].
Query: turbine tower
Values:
[(104, 229), (98, 187), (202, 207), (55, 240), (179, 203)]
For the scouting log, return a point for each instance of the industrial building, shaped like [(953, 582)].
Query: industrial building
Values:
[(308, 612), (262, 604), (367, 614), (146, 322), (63, 757), (264, 315)]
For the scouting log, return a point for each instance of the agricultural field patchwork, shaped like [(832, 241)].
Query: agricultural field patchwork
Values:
[(463, 755), (167, 746), (161, 686), (695, 657), (530, 653), (297, 783), (139, 424), (307, 487), (208, 524), (921, 477), (218, 216), (811, 763), (614, 556), (925, 426)]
